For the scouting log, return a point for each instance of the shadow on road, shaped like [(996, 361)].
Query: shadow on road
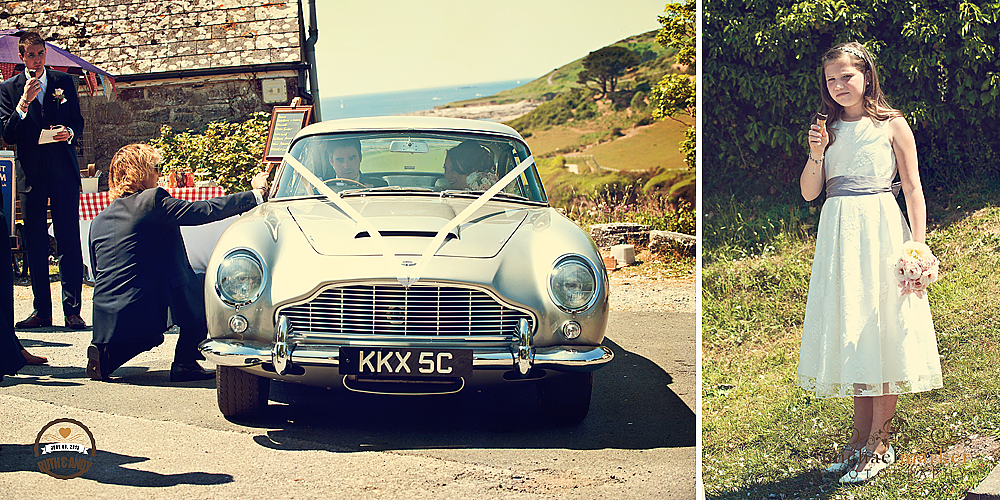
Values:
[(632, 407), (108, 468)]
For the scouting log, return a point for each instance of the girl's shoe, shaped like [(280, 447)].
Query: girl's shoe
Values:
[(842, 467), (875, 464)]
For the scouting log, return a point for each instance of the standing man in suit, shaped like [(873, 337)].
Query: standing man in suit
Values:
[(43, 99), (142, 270)]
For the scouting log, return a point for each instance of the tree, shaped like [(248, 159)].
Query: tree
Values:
[(679, 30), (673, 93), (677, 92), (604, 66)]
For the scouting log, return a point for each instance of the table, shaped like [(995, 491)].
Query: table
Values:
[(199, 241)]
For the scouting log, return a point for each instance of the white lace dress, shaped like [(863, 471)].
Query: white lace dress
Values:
[(861, 337)]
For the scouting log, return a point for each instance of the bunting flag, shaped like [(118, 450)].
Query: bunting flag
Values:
[(104, 86), (91, 82), (7, 70)]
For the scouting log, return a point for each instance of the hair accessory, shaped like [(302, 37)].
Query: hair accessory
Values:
[(856, 52)]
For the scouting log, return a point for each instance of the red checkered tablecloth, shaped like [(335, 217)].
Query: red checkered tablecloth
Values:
[(92, 203)]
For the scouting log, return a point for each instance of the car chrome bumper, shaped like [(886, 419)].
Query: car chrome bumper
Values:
[(520, 356), (228, 352)]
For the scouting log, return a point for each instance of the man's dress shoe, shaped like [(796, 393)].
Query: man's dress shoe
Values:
[(33, 321), (191, 370), (97, 363), (75, 322)]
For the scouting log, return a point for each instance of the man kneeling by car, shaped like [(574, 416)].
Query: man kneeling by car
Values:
[(142, 270)]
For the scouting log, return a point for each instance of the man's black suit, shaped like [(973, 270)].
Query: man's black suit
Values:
[(141, 268), (44, 172)]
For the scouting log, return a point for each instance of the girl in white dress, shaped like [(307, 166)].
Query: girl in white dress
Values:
[(862, 338)]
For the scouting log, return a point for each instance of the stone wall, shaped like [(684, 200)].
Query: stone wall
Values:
[(138, 112)]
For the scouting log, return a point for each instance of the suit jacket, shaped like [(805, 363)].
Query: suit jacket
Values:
[(53, 162), (138, 256)]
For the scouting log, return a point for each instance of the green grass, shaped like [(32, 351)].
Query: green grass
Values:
[(545, 143), (763, 437), (657, 145)]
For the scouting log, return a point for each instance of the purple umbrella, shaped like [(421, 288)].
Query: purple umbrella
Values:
[(54, 57)]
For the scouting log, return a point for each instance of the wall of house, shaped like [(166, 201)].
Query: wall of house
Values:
[(139, 37), (139, 110)]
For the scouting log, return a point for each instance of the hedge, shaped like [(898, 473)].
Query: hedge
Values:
[(937, 60)]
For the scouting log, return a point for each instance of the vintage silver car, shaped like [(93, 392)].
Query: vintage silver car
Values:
[(386, 262)]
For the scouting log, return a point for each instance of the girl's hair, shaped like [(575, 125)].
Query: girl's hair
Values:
[(874, 103), (130, 167), (470, 156)]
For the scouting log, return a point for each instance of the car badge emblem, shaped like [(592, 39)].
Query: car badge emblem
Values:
[(408, 263)]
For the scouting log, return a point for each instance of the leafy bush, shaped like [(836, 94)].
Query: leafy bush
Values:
[(638, 101), (556, 112), (938, 65), (230, 152)]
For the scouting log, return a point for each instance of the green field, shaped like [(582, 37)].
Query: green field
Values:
[(547, 142), (649, 147)]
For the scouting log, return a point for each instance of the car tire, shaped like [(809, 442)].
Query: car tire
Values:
[(240, 394), (565, 399)]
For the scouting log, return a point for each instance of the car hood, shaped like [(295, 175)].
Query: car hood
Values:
[(407, 225)]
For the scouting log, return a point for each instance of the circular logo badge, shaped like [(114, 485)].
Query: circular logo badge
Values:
[(65, 448)]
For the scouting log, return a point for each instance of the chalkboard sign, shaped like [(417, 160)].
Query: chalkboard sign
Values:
[(285, 123)]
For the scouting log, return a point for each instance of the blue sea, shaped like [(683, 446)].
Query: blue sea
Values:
[(408, 101)]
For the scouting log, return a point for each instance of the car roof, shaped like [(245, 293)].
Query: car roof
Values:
[(430, 123)]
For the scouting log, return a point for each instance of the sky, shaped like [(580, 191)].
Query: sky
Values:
[(390, 45)]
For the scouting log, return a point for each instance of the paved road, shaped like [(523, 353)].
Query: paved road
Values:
[(161, 440)]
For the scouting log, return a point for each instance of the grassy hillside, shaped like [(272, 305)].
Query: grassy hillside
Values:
[(564, 77)]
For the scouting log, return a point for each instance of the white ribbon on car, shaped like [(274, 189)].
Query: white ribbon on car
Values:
[(344, 207), (460, 219), (436, 243)]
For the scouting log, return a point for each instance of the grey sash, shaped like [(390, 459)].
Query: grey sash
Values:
[(859, 185)]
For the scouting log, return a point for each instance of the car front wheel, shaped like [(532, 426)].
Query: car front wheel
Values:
[(240, 394), (566, 398)]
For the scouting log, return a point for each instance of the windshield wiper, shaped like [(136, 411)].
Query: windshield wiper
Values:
[(384, 189), (477, 194)]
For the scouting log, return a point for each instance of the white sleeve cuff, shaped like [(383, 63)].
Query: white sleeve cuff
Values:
[(258, 196)]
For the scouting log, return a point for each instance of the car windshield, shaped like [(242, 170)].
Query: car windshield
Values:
[(410, 162)]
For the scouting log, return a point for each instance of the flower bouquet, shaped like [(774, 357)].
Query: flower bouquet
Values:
[(481, 181), (916, 269)]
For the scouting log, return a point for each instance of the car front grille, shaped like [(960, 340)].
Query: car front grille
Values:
[(392, 310)]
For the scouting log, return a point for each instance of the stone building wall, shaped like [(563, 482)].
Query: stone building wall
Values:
[(227, 46), (139, 111)]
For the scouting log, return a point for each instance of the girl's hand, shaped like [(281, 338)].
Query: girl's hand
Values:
[(818, 139)]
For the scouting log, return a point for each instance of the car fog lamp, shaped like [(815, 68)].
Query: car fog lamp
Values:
[(238, 324), (572, 284), (240, 279), (571, 329)]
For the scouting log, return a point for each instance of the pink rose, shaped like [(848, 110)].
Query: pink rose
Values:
[(912, 271), (899, 270)]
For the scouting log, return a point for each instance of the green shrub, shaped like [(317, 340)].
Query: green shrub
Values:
[(937, 65), (231, 152), (638, 102)]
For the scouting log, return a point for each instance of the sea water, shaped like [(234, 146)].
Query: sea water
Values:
[(407, 101)]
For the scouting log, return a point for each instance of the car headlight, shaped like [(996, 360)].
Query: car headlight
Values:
[(240, 278), (573, 283)]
